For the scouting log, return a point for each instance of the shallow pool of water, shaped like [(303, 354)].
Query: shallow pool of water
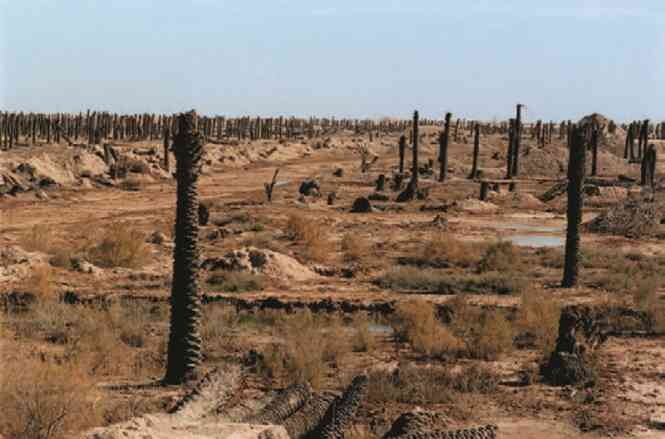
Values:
[(379, 328), (527, 227), (537, 240)]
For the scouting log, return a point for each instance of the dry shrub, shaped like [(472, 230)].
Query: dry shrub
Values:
[(39, 282), (318, 246), (539, 317), (355, 248), (363, 340), (416, 322), (106, 341), (501, 256), (439, 281), (216, 329), (486, 333), (37, 239), (310, 344), (236, 281), (442, 249), (431, 385), (646, 298), (120, 246), (46, 401)]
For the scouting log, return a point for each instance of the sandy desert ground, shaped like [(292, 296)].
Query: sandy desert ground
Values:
[(448, 304)]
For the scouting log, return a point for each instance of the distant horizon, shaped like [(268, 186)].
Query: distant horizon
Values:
[(383, 58)]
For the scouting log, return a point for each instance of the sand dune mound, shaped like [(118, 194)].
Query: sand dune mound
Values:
[(261, 261)]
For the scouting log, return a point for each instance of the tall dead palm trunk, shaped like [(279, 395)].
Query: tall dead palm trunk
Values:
[(576, 169), (184, 348), (476, 151), (444, 139)]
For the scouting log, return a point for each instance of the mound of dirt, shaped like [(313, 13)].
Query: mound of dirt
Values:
[(544, 162), (261, 261), (16, 263), (477, 206), (634, 218)]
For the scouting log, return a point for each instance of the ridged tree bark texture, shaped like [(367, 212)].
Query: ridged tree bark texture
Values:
[(414, 170), (518, 141), (576, 168), (402, 151), (511, 144), (595, 139), (444, 139), (476, 151), (184, 346)]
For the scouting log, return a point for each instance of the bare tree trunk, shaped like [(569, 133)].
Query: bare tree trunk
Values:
[(184, 347), (576, 168)]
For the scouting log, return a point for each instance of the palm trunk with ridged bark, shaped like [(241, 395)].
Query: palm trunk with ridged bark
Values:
[(576, 169), (444, 139), (184, 348), (476, 151)]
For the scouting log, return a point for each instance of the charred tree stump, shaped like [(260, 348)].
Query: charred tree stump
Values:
[(402, 150), (476, 151), (269, 187), (444, 138), (576, 169)]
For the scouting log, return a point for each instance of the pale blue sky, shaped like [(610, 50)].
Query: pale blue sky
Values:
[(345, 57)]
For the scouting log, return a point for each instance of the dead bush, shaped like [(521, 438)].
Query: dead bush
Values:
[(46, 401), (236, 281), (310, 344), (646, 298), (431, 385), (437, 281), (416, 323), (355, 248), (39, 282), (501, 256), (318, 246), (216, 329), (442, 250), (38, 239), (486, 333), (119, 246), (538, 317), (363, 339)]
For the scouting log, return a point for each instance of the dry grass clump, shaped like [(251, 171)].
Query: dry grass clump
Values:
[(39, 282), (216, 330), (486, 333), (107, 341), (119, 246), (318, 245), (441, 249), (235, 281), (45, 400), (646, 298), (431, 385), (538, 317), (437, 281), (38, 239), (356, 248), (416, 323), (363, 340), (310, 345), (501, 256)]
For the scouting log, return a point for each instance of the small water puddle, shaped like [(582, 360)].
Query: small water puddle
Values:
[(539, 241), (379, 328)]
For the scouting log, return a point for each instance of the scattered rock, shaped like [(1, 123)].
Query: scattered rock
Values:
[(310, 188), (361, 205), (339, 172), (332, 197)]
